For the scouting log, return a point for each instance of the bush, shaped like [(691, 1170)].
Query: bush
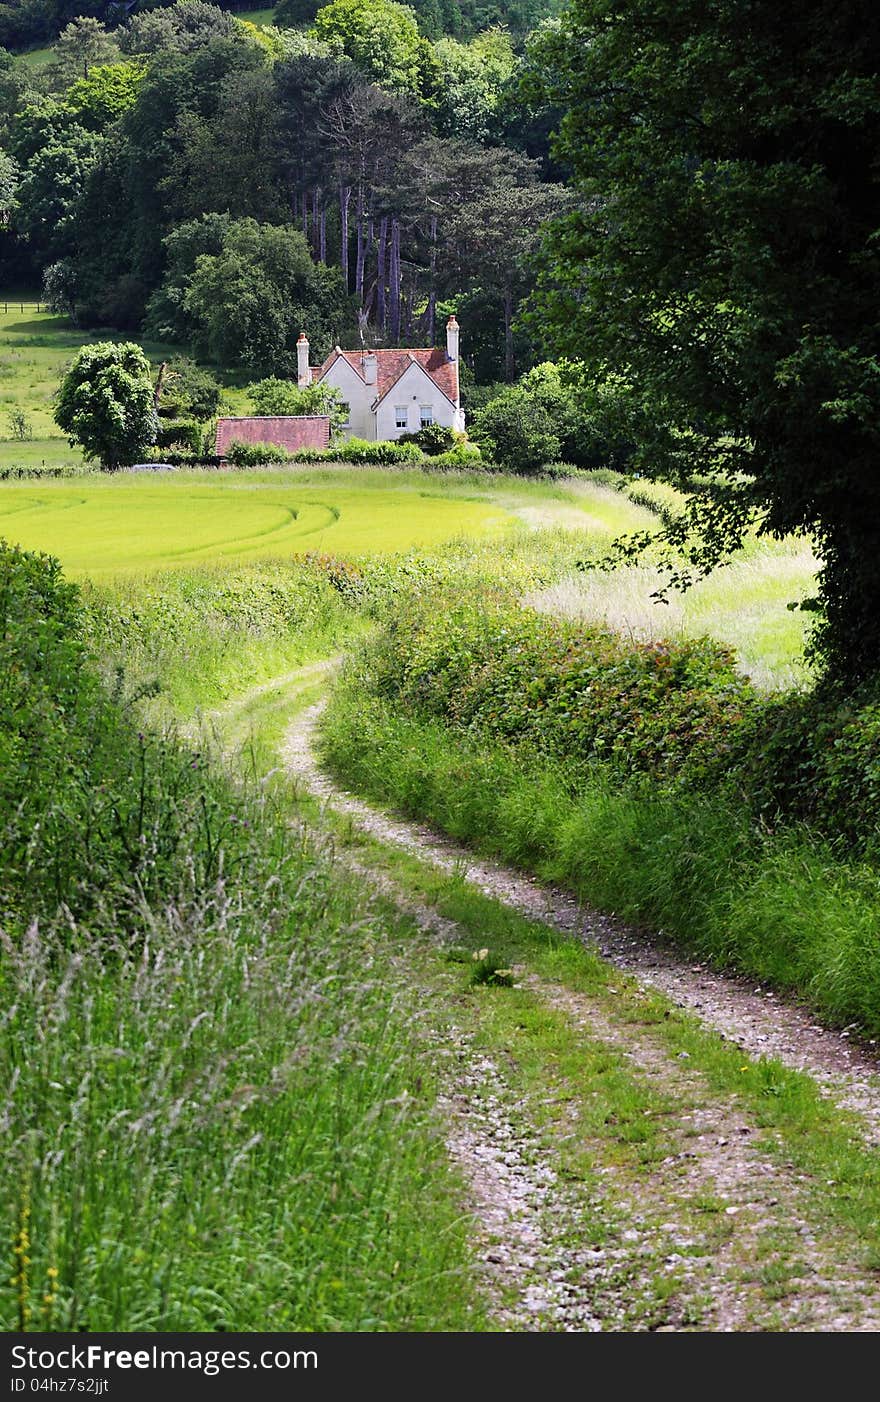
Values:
[(433, 439), (461, 455), (188, 391), (184, 434), (361, 453), (256, 454), (385, 454), (550, 417), (668, 710), (517, 432)]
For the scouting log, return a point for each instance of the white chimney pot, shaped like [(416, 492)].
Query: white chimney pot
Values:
[(452, 330), (303, 373)]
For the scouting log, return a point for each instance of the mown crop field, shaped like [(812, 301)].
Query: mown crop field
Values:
[(99, 526)]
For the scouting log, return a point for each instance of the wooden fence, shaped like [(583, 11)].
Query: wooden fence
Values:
[(23, 306)]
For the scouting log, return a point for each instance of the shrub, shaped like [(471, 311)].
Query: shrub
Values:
[(184, 434), (256, 454), (433, 439), (385, 454), (188, 391), (461, 455), (669, 710)]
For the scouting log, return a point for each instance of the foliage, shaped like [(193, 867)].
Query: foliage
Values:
[(82, 45), (249, 301), (180, 28), (665, 709), (551, 416), (188, 389), (274, 396), (21, 424), (432, 439), (472, 82), (186, 434), (105, 403), (380, 36), (737, 288), (256, 454)]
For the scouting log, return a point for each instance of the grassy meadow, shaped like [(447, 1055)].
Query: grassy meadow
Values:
[(35, 349)]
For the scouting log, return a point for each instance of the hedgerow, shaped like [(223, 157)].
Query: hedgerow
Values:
[(674, 714)]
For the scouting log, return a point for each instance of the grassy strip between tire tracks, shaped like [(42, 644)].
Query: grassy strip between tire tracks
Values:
[(801, 1126)]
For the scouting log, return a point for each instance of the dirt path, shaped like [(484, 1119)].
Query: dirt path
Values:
[(756, 1019), (577, 1227)]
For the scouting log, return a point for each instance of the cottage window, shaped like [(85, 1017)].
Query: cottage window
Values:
[(401, 415), (426, 415), (346, 411)]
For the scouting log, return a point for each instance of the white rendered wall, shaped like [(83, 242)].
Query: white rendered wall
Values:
[(355, 393), (414, 388)]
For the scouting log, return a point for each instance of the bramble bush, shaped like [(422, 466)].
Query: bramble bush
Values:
[(677, 714)]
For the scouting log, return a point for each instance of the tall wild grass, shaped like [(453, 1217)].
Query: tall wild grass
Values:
[(215, 1111)]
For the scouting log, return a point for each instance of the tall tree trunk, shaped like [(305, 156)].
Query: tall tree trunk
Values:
[(409, 303), (431, 314), (509, 361), (361, 249), (394, 282), (316, 206), (322, 242), (380, 274), (344, 201)]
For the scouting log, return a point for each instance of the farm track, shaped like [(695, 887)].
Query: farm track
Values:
[(573, 1231)]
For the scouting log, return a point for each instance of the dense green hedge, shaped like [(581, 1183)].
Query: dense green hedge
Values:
[(677, 714), (663, 709)]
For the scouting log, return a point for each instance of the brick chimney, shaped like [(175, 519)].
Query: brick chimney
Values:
[(370, 367), (452, 339), (303, 373)]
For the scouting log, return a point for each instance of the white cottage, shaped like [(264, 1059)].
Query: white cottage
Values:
[(390, 392)]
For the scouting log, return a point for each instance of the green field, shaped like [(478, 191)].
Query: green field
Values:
[(99, 527), (35, 349)]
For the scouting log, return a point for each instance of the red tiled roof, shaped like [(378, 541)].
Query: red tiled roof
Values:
[(393, 363), (285, 431)]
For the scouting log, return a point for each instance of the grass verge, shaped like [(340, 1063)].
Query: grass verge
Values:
[(217, 1110), (780, 906)]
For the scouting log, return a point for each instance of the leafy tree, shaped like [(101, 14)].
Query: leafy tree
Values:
[(724, 260), (8, 185), (472, 83), (60, 289), (16, 90), (82, 45), (518, 431), (381, 37), (273, 396), (185, 389), (168, 318), (100, 99), (50, 188), (230, 161), (181, 28), (250, 301), (105, 403), (20, 423)]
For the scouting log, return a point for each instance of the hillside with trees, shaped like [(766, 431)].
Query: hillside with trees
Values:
[(192, 176)]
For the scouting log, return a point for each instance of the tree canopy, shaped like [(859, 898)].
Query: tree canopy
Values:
[(724, 260), (106, 403)]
